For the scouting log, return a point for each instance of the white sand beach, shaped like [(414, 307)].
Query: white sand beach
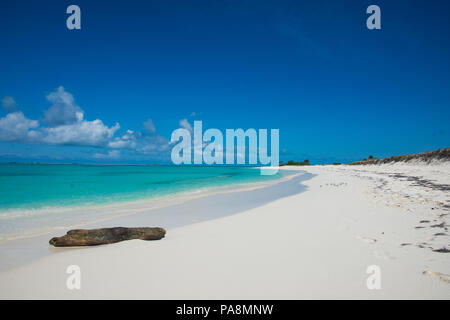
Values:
[(315, 244)]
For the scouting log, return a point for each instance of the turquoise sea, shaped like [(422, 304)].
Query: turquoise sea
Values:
[(35, 186), (39, 198)]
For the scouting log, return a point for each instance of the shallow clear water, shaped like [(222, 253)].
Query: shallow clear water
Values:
[(37, 198), (35, 186)]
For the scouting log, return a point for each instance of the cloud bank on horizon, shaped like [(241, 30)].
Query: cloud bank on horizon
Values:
[(64, 123)]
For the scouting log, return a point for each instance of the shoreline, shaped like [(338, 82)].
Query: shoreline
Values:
[(83, 214), (315, 244), (167, 212)]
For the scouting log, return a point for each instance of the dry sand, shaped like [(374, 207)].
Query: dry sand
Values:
[(309, 245)]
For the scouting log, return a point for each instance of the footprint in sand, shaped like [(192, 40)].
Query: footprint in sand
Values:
[(368, 240)]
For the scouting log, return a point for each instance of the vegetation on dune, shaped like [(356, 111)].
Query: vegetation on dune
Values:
[(295, 163), (437, 155), (429, 156)]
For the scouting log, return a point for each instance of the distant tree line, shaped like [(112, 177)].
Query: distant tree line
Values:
[(295, 163)]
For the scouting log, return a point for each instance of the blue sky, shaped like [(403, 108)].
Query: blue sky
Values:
[(336, 90)]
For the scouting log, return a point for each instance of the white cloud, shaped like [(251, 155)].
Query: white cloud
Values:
[(64, 124), (64, 110), (113, 154), (148, 142), (184, 123), (128, 140), (149, 127), (16, 127), (83, 133), (9, 104), (154, 144), (67, 124)]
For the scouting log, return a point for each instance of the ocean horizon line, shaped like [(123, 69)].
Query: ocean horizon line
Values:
[(134, 164)]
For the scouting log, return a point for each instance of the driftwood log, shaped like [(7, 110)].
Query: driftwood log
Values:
[(95, 237)]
